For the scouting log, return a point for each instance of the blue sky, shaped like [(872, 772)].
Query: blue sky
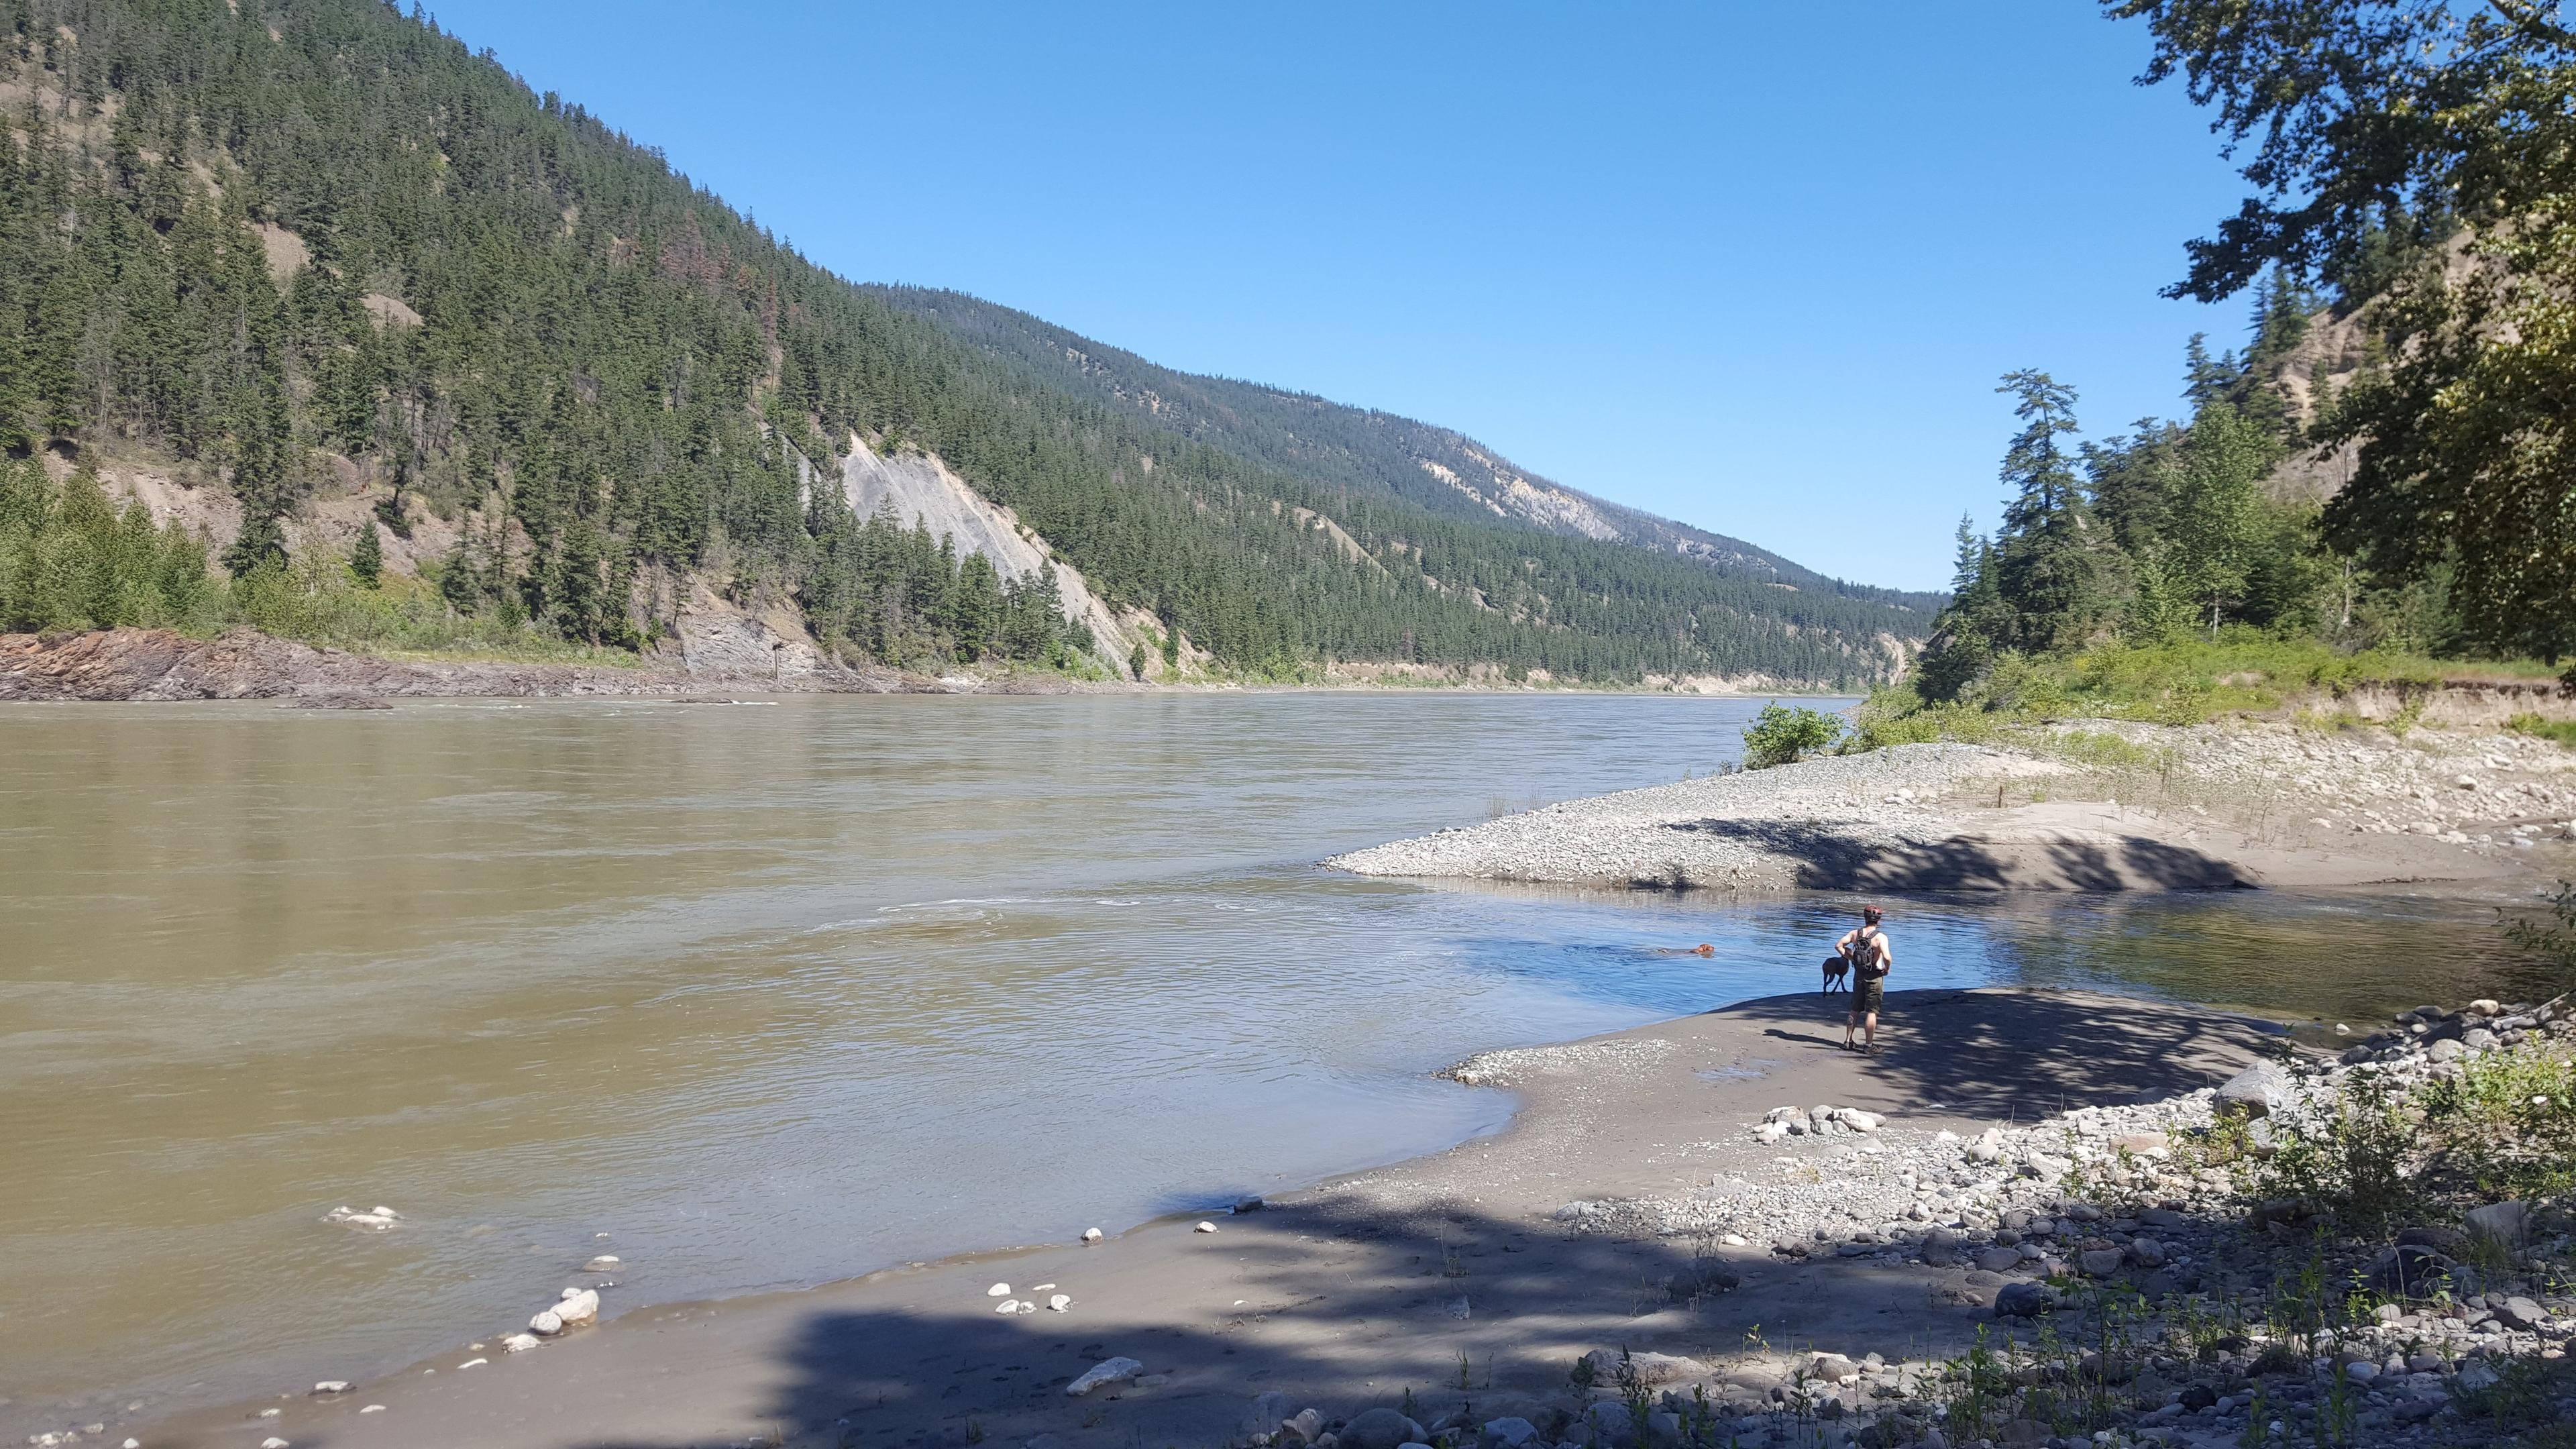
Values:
[(1753, 266)]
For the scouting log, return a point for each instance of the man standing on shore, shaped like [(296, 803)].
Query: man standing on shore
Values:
[(1871, 957)]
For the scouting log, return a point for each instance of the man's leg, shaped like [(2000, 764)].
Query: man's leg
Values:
[(1873, 1031)]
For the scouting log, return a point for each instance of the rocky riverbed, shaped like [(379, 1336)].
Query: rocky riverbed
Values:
[(2091, 806)]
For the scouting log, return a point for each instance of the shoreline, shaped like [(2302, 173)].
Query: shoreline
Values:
[(1339, 1289), (2095, 807), (158, 666)]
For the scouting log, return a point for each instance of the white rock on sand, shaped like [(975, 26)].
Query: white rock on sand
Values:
[(375, 1219), (1108, 1371)]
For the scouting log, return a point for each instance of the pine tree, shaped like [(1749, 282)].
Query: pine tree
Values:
[(367, 560), (2050, 563)]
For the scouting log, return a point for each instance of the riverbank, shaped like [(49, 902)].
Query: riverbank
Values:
[(157, 665), (1519, 1251), (2087, 807)]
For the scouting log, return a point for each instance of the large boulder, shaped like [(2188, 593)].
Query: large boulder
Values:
[(2506, 1225), (1382, 1429), (2450, 1242), (2258, 1091), (2023, 1300), (2410, 1270), (1650, 1368), (1507, 1433), (1607, 1423), (1835, 1369)]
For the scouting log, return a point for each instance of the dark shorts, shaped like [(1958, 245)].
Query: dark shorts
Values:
[(1867, 993)]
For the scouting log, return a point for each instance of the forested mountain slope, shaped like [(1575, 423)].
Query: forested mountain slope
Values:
[(298, 246), (1346, 448)]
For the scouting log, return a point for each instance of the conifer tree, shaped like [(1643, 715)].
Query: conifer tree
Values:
[(367, 560), (2050, 563)]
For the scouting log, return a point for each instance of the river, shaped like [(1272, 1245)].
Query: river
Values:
[(771, 993)]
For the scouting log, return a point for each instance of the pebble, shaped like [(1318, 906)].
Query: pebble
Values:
[(998, 1290), (1091, 1235), (1204, 1228)]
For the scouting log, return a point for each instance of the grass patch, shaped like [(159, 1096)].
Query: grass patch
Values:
[(2169, 684), (2530, 723)]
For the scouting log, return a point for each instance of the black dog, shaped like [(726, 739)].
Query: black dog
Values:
[(1837, 973)]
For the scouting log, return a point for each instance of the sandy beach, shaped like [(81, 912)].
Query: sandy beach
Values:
[(1464, 1268), (2099, 807)]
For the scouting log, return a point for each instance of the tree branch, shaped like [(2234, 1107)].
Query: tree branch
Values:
[(2526, 17)]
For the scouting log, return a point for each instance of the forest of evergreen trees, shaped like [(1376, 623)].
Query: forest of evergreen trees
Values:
[(2169, 533), (510, 313)]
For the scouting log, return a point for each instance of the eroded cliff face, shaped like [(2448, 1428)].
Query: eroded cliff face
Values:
[(920, 488)]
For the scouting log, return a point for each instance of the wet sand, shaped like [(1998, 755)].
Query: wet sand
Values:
[(1452, 1269)]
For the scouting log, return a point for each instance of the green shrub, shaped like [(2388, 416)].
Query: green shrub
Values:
[(71, 560), (2357, 1163), (2530, 723), (1780, 734), (2507, 1125)]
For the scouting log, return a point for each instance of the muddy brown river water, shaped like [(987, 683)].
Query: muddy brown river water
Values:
[(764, 994)]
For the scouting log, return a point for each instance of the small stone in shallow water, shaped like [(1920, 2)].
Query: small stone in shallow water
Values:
[(373, 1409), (1091, 1235), (519, 1342), (1204, 1228), (998, 1290), (332, 1386), (601, 1264), (1060, 1302), (474, 1363)]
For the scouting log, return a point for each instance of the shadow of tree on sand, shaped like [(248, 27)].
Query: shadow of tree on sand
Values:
[(1830, 859), (2019, 1055)]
